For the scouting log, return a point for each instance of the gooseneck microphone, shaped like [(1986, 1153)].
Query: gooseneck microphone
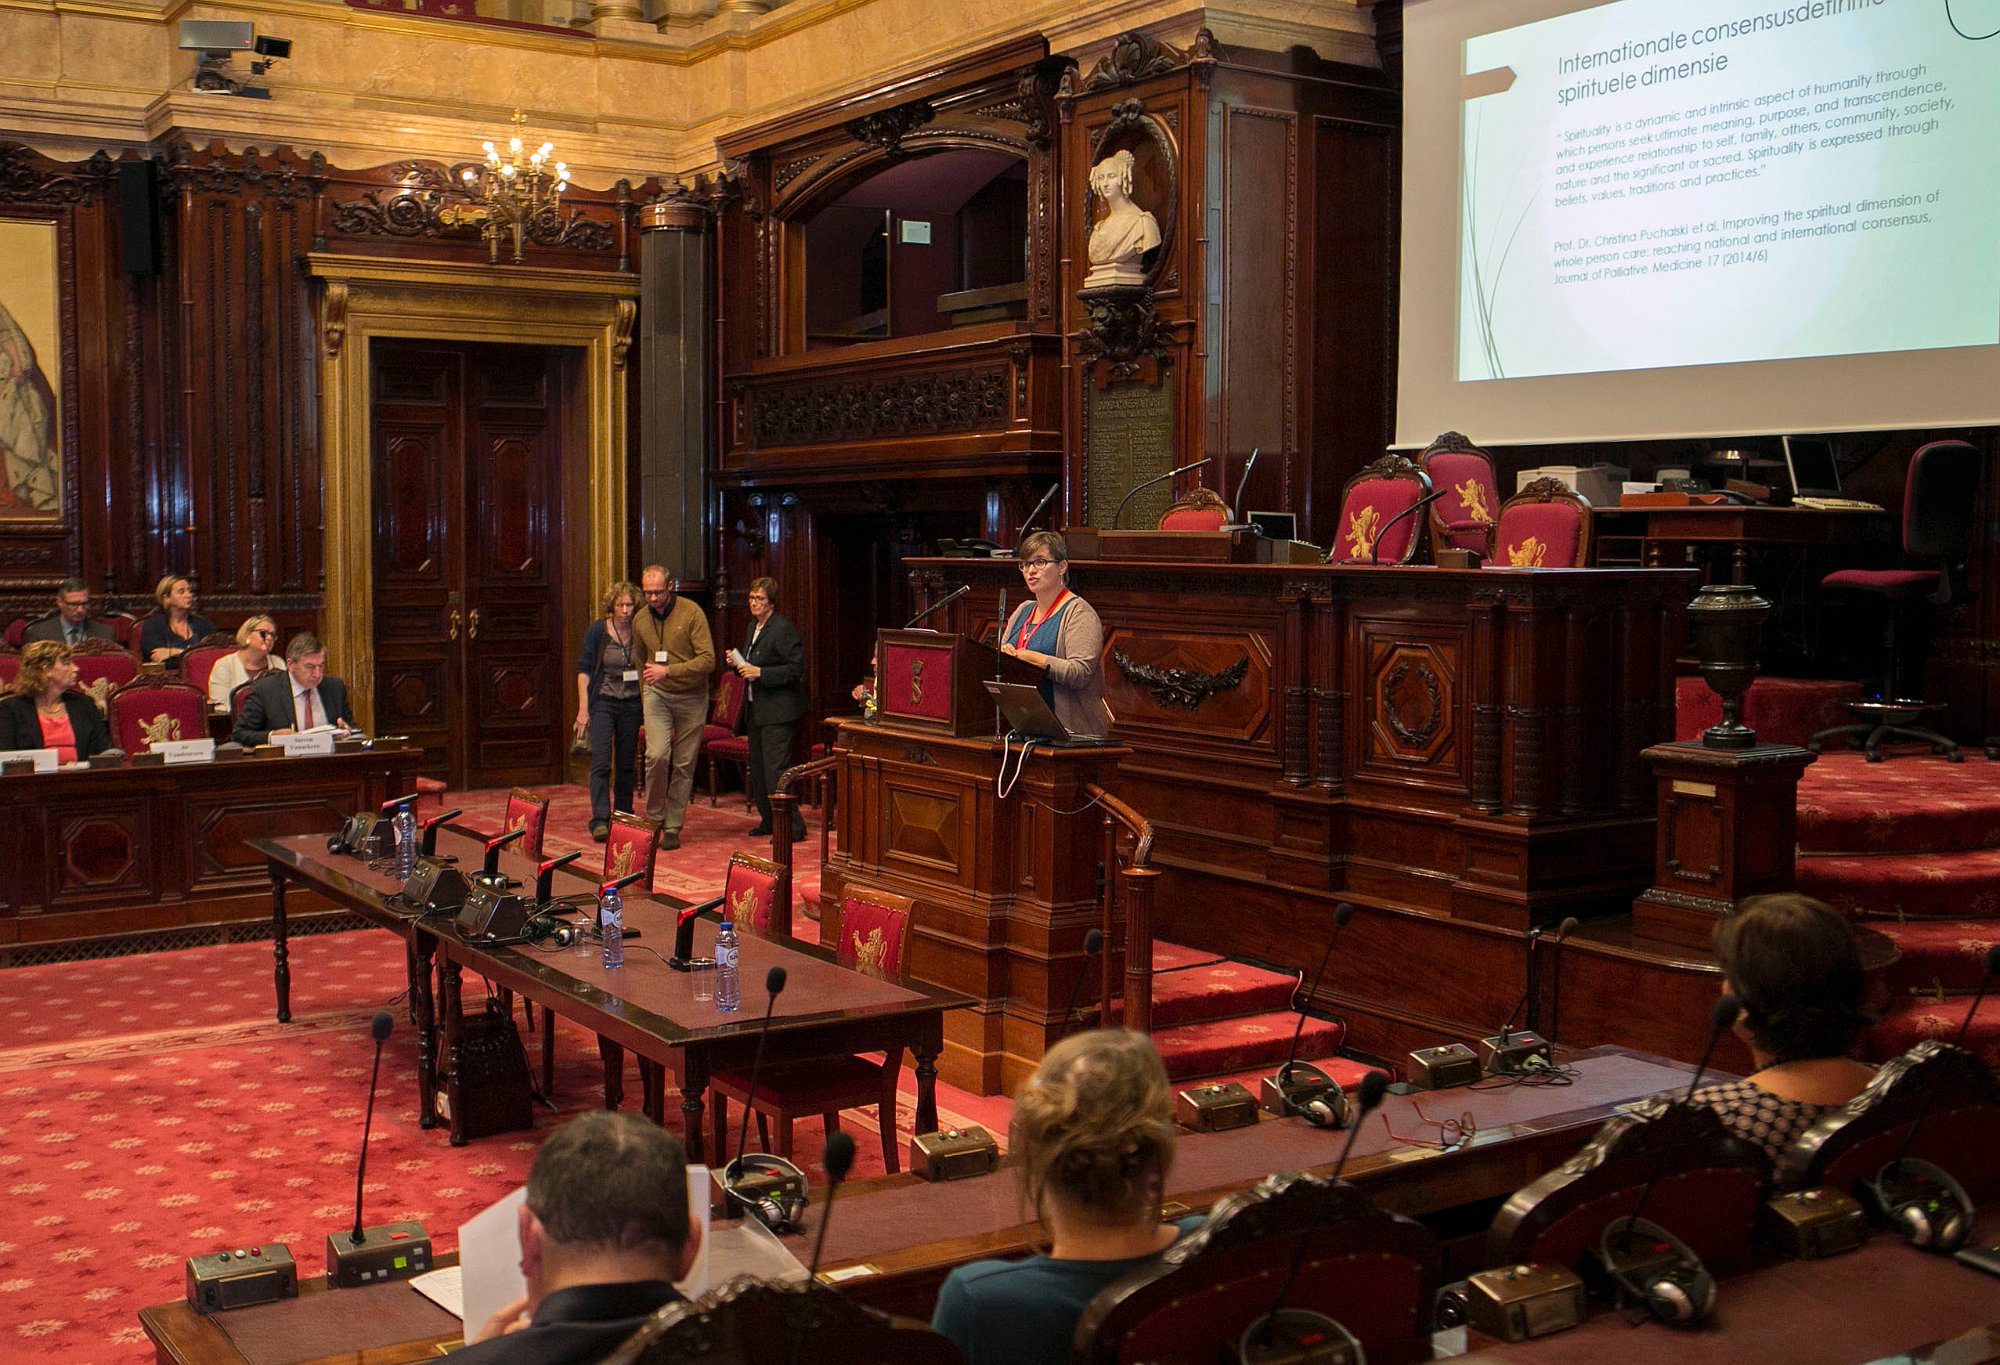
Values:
[(1375, 545), (1563, 931), (838, 1158), (1047, 498), (1318, 1097), (1144, 484), (1644, 1261), (1093, 944), (774, 985), (767, 1188), (938, 606), (1508, 1051), (1243, 482), (1295, 1334), (392, 1251), (1920, 1199)]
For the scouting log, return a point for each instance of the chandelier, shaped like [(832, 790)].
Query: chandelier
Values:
[(513, 188)]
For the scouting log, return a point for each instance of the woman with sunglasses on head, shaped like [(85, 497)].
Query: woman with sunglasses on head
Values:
[(1059, 633), (1094, 1139), (255, 638), (167, 633)]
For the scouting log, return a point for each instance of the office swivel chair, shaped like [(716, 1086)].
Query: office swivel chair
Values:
[(1938, 512)]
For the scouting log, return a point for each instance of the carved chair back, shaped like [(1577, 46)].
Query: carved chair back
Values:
[(1544, 526), (631, 845), (1368, 531), (1201, 510), (751, 890), (530, 811), (749, 1322), (156, 707), (1463, 518), (1958, 1099)]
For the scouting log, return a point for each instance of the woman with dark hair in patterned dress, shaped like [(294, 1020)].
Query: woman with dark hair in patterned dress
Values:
[(1792, 962)]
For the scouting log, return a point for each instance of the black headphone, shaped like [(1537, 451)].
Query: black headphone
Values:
[(1680, 1292), (551, 929), (1328, 1110), (1924, 1203), (768, 1188)]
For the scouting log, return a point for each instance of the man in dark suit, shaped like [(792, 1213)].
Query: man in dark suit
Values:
[(772, 663), (71, 625), (301, 698), (604, 1234)]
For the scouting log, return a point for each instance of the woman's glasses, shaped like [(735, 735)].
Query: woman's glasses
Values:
[(1451, 1132), (1028, 564)]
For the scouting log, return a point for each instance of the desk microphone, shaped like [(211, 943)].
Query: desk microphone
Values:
[(683, 958), (1508, 1051), (1563, 931), (1299, 1334), (768, 1188), (1093, 944), (1918, 1198), (1646, 1263), (1144, 484), (838, 1158), (1236, 504), (491, 867), (429, 832), (389, 807), (1318, 1097), (1375, 545), (939, 605), (392, 1251)]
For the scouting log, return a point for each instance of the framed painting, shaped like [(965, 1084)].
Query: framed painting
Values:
[(32, 477)]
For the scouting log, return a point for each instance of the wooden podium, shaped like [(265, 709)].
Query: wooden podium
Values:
[(1004, 887)]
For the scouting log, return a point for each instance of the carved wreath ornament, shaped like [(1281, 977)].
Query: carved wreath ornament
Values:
[(1180, 686)]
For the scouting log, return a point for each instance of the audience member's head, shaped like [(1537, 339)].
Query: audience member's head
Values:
[(1094, 1131), (73, 601), (39, 660), (302, 644), (174, 590), (1792, 963), (607, 1203), (624, 590), (262, 627)]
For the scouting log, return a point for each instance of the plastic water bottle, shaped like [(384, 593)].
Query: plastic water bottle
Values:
[(611, 915), (728, 990), (406, 841)]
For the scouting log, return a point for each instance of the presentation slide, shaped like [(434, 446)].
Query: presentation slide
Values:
[(1660, 183)]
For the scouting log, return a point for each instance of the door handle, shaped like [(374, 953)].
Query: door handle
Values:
[(472, 625), (456, 619)]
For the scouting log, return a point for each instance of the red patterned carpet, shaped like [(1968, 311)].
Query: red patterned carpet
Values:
[(1911, 847)]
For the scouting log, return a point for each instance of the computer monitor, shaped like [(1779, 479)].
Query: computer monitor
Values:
[(1275, 525), (1815, 473)]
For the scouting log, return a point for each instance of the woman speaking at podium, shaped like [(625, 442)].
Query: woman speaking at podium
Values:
[(1059, 633)]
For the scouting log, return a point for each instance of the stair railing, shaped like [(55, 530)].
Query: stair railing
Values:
[(1137, 879), (826, 773)]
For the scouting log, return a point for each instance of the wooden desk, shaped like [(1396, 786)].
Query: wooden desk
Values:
[(1743, 529), (110, 850), (1522, 1132), (383, 1324)]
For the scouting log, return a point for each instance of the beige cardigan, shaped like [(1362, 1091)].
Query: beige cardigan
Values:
[(1075, 667)]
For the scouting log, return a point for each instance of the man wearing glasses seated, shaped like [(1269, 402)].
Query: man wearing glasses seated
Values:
[(71, 625)]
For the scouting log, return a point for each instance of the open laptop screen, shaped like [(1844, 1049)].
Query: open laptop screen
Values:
[(1815, 474), (1275, 525)]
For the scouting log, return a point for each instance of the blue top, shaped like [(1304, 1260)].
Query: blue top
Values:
[(1045, 638), (1025, 1312)]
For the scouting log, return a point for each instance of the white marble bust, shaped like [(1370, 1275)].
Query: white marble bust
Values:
[(1125, 232)]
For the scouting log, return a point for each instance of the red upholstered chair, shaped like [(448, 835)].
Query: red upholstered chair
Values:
[(1544, 526), (1960, 1133), (1201, 510), (124, 628), (719, 740), (102, 668), (1709, 1186), (762, 1320), (155, 707), (17, 629), (1463, 518), (632, 844), (10, 666), (1368, 532), (236, 696), (526, 810), (873, 928), (1374, 1273), (1939, 510), (753, 889), (201, 658)]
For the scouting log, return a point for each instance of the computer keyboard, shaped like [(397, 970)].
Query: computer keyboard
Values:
[(1838, 505)]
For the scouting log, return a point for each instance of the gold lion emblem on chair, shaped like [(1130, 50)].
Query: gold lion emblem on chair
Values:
[(1362, 529), (869, 952), (1528, 554), (743, 906), (621, 862), (161, 729), (1472, 500)]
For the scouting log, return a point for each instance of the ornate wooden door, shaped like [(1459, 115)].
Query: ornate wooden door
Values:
[(469, 658)]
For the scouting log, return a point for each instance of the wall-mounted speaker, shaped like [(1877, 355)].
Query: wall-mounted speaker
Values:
[(138, 224)]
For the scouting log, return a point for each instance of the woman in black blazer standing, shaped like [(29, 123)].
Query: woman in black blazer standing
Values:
[(44, 713), (772, 664)]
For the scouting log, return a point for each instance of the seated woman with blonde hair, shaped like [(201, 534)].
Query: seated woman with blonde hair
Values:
[(252, 660), (1792, 963), (1094, 1138)]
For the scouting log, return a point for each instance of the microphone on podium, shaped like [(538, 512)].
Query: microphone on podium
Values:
[(939, 605), (390, 1251)]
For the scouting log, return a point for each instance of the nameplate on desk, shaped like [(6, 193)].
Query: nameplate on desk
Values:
[(44, 760), (314, 745), (185, 750)]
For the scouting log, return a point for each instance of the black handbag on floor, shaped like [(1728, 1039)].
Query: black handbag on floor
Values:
[(492, 1089)]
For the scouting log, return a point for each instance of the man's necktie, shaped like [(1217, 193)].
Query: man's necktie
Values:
[(311, 720)]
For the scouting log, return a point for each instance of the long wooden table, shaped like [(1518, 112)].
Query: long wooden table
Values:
[(645, 1007), (99, 851)]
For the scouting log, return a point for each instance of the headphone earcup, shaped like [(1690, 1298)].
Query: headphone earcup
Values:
[(1916, 1221), (1320, 1114), (564, 935)]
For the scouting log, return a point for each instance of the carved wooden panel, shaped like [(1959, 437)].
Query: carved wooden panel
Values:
[(223, 825), (1411, 684), (922, 828), (1215, 685)]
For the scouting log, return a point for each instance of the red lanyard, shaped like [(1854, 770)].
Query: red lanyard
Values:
[(1029, 624)]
